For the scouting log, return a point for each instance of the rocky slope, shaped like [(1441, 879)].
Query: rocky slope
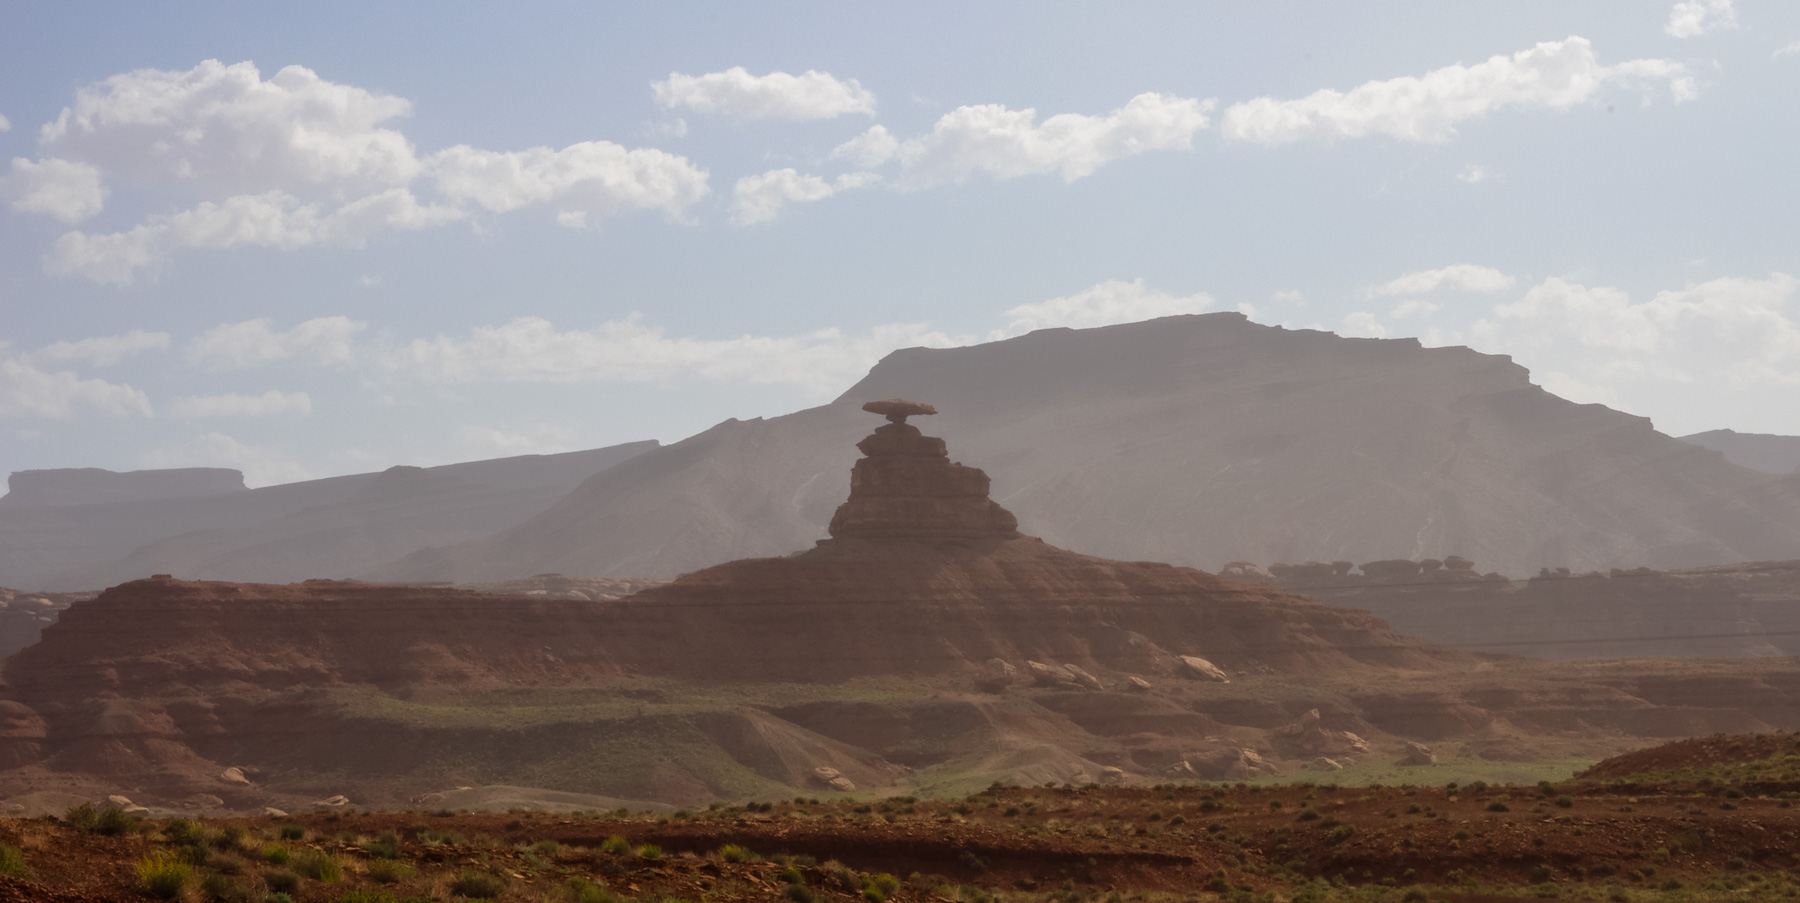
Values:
[(336, 527), (1750, 609), (1779, 455), (1194, 440), (927, 644)]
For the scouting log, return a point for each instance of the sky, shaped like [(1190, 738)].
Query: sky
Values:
[(311, 239)]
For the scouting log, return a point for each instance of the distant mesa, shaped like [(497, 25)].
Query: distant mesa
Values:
[(898, 409), (92, 486)]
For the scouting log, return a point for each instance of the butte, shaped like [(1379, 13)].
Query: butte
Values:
[(925, 574)]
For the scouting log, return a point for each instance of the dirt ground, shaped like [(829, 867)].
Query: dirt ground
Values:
[(1291, 842)]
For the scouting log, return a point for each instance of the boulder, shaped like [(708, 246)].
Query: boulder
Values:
[(233, 775), (833, 779), (1230, 764), (996, 676), (204, 801), (119, 802), (1111, 774), (1417, 754), (272, 812), (1137, 684), (1051, 675), (1083, 679), (1194, 666), (1323, 764), (333, 802), (1308, 738), (1245, 570)]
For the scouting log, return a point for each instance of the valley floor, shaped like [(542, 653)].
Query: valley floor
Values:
[(1701, 840)]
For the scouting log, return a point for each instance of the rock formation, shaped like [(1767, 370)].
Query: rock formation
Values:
[(906, 487)]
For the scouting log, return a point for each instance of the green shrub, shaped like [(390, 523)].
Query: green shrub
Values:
[(12, 862), (1497, 806), (180, 831), (615, 846), (731, 852), (877, 888), (113, 822), (388, 871), (292, 832), (282, 882), (82, 818), (798, 893), (163, 875), (649, 851), (477, 885), (280, 897), (1565, 801), (319, 866), (277, 855), (584, 891), (221, 888)]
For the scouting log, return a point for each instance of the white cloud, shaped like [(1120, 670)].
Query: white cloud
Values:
[(1113, 301), (530, 349), (1008, 143), (1466, 277), (5, 124), (1414, 308), (1475, 174), (225, 127), (592, 177), (1791, 48), (759, 198), (273, 219), (778, 95), (1691, 18), (254, 343), (1363, 324), (869, 149), (103, 351), (1680, 353), (67, 190), (1553, 75), (261, 466), (540, 439), (27, 391), (270, 403)]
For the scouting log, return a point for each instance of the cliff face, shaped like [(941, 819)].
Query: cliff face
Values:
[(334, 527), (1193, 440), (93, 486)]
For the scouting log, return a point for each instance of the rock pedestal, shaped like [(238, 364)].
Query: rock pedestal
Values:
[(905, 487)]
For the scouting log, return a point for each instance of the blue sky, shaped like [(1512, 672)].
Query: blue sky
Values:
[(463, 231)]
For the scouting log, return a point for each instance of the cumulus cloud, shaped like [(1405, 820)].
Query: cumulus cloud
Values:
[(869, 149), (254, 343), (103, 351), (759, 198), (261, 466), (592, 177), (1553, 75), (1475, 174), (268, 404), (1008, 143), (67, 190), (1691, 18), (778, 95), (225, 126), (1414, 308), (1791, 48), (295, 161), (530, 349), (5, 124), (1676, 352), (29, 391), (1466, 277), (1362, 324), (1113, 301), (274, 219)]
